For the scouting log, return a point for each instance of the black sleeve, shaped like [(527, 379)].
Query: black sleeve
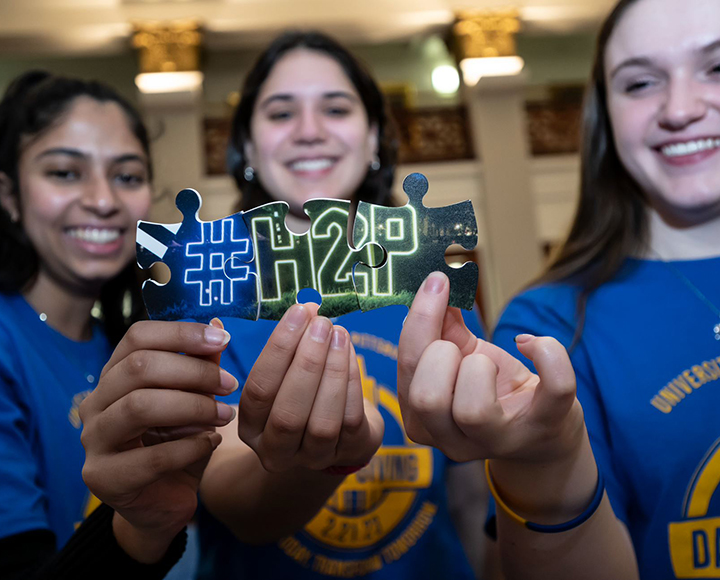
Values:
[(92, 552)]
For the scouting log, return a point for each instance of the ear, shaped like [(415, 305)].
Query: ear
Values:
[(249, 153), (373, 141), (8, 201)]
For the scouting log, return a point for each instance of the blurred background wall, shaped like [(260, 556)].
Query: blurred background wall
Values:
[(509, 143)]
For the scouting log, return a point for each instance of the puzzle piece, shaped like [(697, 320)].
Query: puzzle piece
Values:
[(321, 258), (334, 259), (196, 253), (415, 238)]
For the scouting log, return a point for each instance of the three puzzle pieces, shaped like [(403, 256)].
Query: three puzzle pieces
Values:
[(249, 265)]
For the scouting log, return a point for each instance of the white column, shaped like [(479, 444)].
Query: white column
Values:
[(512, 253)]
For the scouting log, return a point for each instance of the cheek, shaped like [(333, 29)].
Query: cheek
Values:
[(356, 138), (267, 142), (41, 206)]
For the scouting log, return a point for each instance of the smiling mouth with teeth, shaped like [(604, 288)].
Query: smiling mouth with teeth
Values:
[(312, 164), (95, 235), (690, 147)]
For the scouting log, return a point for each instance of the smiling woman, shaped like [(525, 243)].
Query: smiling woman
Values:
[(616, 458), (318, 400), (74, 180)]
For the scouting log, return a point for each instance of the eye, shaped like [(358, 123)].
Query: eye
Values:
[(281, 115), (715, 69), (127, 179), (63, 174), (337, 111), (638, 85)]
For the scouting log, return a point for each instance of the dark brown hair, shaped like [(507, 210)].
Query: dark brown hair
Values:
[(377, 185), (33, 103), (611, 221)]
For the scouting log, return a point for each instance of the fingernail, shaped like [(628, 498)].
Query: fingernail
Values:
[(217, 323), (523, 338), (320, 329), (339, 338), (296, 316), (434, 284), (216, 336), (225, 413), (228, 383)]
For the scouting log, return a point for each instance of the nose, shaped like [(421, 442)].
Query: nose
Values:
[(310, 128), (684, 105), (99, 197)]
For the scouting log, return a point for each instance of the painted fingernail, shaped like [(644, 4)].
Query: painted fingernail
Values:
[(434, 284), (216, 336), (339, 338), (225, 413), (523, 338), (320, 329), (296, 316), (228, 383)]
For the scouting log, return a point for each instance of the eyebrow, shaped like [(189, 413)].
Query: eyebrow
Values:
[(287, 97), (645, 61), (77, 154), (62, 151)]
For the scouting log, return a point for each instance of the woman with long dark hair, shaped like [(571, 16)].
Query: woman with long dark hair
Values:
[(306, 489), (619, 482), (74, 179)]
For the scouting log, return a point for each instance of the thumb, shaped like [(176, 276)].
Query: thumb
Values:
[(556, 390)]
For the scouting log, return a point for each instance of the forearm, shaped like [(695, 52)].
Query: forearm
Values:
[(260, 507), (598, 549), (92, 552)]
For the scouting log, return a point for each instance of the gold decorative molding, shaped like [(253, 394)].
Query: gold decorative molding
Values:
[(486, 33), (168, 46)]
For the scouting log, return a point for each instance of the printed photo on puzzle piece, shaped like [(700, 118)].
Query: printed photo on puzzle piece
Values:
[(249, 265)]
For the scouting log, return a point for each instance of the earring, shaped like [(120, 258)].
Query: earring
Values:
[(249, 174), (375, 164)]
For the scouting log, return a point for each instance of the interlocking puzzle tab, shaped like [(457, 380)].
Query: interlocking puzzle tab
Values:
[(196, 252), (415, 238), (249, 265)]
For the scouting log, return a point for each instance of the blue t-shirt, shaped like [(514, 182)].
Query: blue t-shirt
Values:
[(389, 520), (43, 378), (648, 375)]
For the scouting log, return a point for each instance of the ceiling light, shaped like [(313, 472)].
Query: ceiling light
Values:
[(445, 79), (169, 82)]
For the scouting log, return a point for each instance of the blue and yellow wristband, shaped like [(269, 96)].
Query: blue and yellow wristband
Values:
[(548, 529)]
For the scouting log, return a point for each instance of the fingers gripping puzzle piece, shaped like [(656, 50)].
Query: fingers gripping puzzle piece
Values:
[(286, 262), (415, 238), (196, 252)]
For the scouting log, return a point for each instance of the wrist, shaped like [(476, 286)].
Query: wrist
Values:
[(548, 492), (144, 546)]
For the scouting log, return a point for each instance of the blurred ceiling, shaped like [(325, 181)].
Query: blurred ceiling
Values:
[(32, 27)]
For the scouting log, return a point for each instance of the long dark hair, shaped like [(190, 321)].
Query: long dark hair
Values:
[(611, 220), (32, 104), (377, 185)]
